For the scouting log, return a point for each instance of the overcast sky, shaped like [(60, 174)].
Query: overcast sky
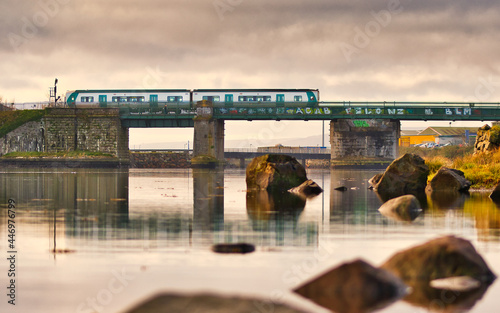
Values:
[(377, 50)]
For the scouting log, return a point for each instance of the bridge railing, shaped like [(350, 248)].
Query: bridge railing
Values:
[(290, 150)]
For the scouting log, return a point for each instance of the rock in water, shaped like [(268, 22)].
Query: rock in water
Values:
[(308, 188), (405, 208), (354, 287), (406, 175), (233, 248), (495, 194), (375, 179), (274, 172), (448, 179), (439, 258)]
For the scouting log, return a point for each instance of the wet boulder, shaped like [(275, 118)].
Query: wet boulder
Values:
[(354, 287), (177, 303), (443, 257), (405, 175), (274, 172), (495, 194), (309, 188), (404, 208), (448, 179)]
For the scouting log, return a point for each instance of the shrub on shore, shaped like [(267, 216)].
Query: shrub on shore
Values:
[(481, 169)]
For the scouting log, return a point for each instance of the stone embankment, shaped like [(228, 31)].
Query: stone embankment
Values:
[(488, 139), (160, 160)]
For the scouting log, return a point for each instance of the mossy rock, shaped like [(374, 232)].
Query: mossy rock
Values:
[(274, 172)]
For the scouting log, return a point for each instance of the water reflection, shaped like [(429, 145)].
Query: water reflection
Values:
[(274, 210)]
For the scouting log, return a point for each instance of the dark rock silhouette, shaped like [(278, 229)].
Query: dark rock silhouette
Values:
[(443, 257), (175, 303), (235, 248), (354, 287), (495, 194)]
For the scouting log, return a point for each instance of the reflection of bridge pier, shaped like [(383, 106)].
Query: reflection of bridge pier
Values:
[(208, 209)]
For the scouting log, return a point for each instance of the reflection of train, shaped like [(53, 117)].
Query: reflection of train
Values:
[(186, 98)]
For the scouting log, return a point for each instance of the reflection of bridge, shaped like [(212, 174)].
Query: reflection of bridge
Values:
[(248, 153)]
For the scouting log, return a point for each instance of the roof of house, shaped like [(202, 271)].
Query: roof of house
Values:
[(448, 131), (410, 132)]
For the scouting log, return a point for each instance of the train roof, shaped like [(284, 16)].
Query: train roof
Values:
[(128, 90), (188, 90), (255, 90)]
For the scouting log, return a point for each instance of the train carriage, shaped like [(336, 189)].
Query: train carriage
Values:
[(260, 97), (138, 98)]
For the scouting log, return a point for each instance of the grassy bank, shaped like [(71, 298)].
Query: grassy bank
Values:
[(10, 120), (482, 170)]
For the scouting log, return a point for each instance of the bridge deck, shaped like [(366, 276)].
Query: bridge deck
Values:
[(423, 111)]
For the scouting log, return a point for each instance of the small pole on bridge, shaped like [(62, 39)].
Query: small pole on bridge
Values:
[(323, 136)]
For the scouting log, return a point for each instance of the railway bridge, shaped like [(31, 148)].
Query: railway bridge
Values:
[(361, 133)]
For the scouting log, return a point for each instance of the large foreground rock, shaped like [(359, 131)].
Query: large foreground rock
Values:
[(274, 172), (406, 175), (354, 287), (448, 179), (439, 258), (173, 303), (405, 208)]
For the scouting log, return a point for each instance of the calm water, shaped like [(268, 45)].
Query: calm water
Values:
[(131, 234)]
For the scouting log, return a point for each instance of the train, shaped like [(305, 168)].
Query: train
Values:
[(187, 98)]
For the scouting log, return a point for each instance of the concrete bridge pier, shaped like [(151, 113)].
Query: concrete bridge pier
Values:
[(370, 143), (208, 150)]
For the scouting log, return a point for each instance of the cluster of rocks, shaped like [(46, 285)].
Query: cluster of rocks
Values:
[(279, 173), (419, 275), (488, 139), (429, 269), (159, 160)]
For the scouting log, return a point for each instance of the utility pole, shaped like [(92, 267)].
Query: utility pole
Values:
[(53, 93)]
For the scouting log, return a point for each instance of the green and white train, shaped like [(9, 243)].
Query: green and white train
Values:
[(185, 98)]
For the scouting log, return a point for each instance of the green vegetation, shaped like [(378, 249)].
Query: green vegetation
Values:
[(481, 169), (66, 154), (495, 134), (10, 120)]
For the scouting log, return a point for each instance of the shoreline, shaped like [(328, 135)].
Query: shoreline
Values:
[(48, 162)]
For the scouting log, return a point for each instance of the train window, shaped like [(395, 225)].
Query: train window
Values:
[(212, 98), (134, 99), (267, 98), (175, 99), (87, 99), (297, 98)]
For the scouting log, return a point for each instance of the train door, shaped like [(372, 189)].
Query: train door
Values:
[(153, 101), (229, 100), (280, 100), (103, 101)]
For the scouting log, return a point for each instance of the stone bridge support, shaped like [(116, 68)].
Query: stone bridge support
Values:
[(95, 130), (208, 148), (364, 143)]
